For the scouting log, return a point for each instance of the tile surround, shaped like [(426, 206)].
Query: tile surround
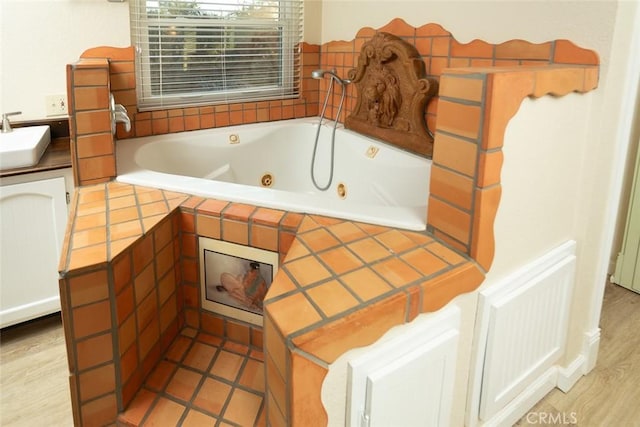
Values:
[(130, 252)]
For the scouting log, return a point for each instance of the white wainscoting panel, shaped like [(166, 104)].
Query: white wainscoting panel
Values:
[(523, 324)]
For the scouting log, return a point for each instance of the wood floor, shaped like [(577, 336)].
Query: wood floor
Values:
[(34, 385)]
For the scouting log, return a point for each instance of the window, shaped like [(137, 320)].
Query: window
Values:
[(198, 52)]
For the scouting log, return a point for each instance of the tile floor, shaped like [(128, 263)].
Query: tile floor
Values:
[(203, 380)]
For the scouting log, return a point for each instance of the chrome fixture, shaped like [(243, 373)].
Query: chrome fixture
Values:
[(118, 115), (6, 125), (320, 74)]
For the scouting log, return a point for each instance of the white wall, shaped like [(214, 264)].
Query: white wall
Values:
[(38, 38)]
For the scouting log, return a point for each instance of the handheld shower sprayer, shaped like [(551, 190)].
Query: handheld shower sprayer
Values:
[(320, 74)]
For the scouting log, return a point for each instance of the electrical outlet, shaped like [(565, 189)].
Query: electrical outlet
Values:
[(56, 105)]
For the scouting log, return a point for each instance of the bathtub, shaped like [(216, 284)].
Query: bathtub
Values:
[(268, 164)]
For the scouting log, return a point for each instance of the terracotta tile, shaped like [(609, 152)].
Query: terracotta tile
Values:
[(91, 319), (297, 250), (160, 126), (473, 49), (235, 347), (454, 188), (90, 98), (227, 365), (165, 413), (482, 241), (235, 231), (399, 28), (332, 298), (101, 411), (119, 189), (150, 222), (152, 209), (146, 195), (94, 351), (91, 77), (505, 94), (307, 271), (566, 52), (346, 231), (455, 154), (318, 239), (142, 254), (90, 221), (328, 342), (293, 313), (558, 82), (164, 260), (125, 230), (96, 382), (149, 339), (431, 30), (127, 334), (253, 375), (138, 408), (91, 207), (264, 237), (212, 396), (591, 76), (282, 284), (459, 119), (88, 288), (238, 332), (124, 304), (243, 407), (449, 220), (365, 283), (437, 292), (178, 349), (461, 87), (521, 49), (446, 254), (395, 241), (197, 419), (183, 384), (190, 271), (424, 261), (208, 226), (369, 250), (121, 245), (306, 386), (147, 310), (274, 414), (340, 260), (396, 272), (239, 211), (438, 65), (168, 314), (122, 215), (489, 168), (257, 338), (144, 283), (95, 121)]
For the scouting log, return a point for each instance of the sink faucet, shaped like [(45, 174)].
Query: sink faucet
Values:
[(6, 125)]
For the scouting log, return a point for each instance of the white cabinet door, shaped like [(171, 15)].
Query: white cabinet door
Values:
[(33, 217), (407, 381)]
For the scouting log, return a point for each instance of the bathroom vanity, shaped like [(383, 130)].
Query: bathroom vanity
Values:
[(33, 217)]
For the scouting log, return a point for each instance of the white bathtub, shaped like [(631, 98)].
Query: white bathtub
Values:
[(389, 188)]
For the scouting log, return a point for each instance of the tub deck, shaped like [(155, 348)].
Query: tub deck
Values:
[(341, 285)]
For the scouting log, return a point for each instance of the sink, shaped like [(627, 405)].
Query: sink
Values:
[(23, 147)]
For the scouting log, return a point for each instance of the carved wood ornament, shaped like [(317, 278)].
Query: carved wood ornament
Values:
[(392, 94)]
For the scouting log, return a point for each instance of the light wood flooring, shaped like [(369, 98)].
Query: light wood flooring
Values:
[(34, 384)]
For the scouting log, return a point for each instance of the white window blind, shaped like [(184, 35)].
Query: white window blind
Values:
[(202, 52)]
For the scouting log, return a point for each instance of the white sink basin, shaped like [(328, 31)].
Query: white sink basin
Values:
[(23, 147)]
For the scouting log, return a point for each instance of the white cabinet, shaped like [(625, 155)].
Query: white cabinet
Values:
[(408, 380), (33, 217)]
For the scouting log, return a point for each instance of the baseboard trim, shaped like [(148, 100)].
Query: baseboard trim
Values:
[(590, 346), (522, 404), (569, 376)]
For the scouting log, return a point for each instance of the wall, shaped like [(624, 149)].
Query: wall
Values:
[(38, 39)]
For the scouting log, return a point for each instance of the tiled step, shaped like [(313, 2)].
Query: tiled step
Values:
[(203, 380)]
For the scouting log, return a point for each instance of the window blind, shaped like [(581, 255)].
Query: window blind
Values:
[(202, 52)]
